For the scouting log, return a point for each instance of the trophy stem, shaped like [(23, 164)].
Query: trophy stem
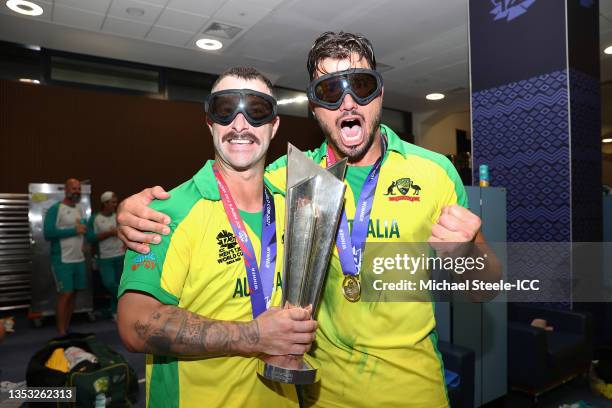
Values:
[(288, 370)]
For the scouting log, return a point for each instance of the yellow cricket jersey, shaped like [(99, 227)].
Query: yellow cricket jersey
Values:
[(376, 354), (199, 267)]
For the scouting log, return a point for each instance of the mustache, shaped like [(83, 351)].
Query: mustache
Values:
[(240, 136)]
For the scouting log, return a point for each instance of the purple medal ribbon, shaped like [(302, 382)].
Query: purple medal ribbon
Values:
[(260, 285), (351, 245)]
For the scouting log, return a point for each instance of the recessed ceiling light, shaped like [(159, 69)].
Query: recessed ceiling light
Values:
[(135, 12), (209, 44), (608, 50), (607, 140), (435, 96), (24, 7)]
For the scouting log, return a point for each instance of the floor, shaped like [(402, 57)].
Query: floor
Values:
[(567, 394), (18, 347)]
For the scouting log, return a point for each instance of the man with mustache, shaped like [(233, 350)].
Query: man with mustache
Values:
[(203, 303), (370, 354), (65, 227)]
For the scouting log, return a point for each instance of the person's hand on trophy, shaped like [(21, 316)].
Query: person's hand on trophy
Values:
[(289, 330), (290, 333)]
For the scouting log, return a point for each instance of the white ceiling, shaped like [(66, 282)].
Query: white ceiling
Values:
[(424, 41)]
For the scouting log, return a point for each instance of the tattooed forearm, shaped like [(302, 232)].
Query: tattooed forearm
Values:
[(177, 332), (250, 333), (141, 328)]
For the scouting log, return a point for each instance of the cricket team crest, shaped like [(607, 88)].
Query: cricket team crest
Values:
[(403, 189)]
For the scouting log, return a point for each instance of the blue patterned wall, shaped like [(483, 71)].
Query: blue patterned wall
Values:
[(521, 131)]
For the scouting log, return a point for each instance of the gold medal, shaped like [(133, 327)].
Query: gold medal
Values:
[(351, 288)]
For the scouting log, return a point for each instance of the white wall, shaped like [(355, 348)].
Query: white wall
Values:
[(437, 131)]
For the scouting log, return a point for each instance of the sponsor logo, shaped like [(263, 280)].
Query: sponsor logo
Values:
[(268, 257), (243, 236), (101, 384), (404, 189), (510, 9), (357, 257), (146, 260)]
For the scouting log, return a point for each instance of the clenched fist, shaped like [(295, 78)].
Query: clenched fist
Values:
[(455, 226)]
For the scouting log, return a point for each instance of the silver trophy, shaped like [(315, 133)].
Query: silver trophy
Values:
[(313, 205)]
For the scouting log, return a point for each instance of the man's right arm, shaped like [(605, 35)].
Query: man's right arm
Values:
[(148, 326)]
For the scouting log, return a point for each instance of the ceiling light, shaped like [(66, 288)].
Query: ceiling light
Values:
[(434, 96), (29, 81), (297, 99), (24, 7), (209, 44), (135, 12), (607, 140), (608, 50)]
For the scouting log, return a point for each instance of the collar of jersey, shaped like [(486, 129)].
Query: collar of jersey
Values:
[(206, 183)]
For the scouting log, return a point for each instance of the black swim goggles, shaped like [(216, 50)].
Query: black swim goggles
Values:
[(329, 90), (258, 108)]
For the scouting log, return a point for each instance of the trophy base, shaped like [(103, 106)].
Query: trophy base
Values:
[(288, 370)]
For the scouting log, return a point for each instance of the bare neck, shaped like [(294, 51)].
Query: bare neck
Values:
[(246, 186), (68, 202)]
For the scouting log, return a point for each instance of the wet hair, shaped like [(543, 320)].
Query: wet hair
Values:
[(247, 73), (339, 46)]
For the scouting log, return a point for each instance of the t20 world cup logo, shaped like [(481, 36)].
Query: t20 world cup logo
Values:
[(510, 9)]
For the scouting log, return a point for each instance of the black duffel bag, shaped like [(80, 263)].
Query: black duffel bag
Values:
[(111, 376)]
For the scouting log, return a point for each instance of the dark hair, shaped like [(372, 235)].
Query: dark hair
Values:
[(247, 73), (339, 46)]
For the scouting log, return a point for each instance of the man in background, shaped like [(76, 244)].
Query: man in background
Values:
[(64, 228), (102, 231)]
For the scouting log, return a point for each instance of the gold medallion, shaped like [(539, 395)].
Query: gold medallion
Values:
[(351, 288)]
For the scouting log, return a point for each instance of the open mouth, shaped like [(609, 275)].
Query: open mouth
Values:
[(351, 131)]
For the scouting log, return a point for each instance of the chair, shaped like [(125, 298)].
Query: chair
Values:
[(460, 360), (540, 360)]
